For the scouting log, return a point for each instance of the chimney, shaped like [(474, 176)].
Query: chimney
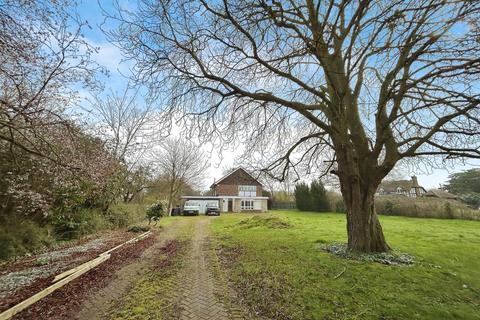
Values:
[(415, 181)]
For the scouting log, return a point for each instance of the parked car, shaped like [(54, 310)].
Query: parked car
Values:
[(191, 208), (212, 209)]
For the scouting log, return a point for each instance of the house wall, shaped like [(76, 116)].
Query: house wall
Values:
[(229, 185), (226, 190), (237, 206), (232, 190)]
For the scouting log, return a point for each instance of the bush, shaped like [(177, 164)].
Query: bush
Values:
[(424, 207), (318, 197), (302, 196), (388, 208), (155, 211), (472, 199), (311, 198), (122, 215), (81, 221), (448, 210), (78, 222), (18, 238), (340, 206)]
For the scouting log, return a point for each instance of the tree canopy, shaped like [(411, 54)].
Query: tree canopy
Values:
[(363, 83), (464, 182), (311, 197)]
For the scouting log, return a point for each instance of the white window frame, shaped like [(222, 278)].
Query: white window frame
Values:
[(247, 204), (247, 191)]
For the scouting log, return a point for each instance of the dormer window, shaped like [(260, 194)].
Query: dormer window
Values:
[(399, 190), (247, 191)]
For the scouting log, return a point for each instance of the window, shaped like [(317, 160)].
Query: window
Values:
[(399, 190), (247, 205), (247, 191), (413, 193)]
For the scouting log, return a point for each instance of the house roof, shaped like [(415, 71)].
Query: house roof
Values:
[(231, 173), (440, 194), (392, 185)]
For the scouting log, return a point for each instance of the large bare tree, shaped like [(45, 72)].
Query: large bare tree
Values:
[(180, 163), (374, 81), (129, 128)]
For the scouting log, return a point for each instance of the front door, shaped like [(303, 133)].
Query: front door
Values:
[(230, 205), (225, 205)]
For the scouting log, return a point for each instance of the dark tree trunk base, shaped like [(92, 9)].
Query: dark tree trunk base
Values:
[(365, 233)]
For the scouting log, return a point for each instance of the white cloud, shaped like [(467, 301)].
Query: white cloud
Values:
[(110, 57)]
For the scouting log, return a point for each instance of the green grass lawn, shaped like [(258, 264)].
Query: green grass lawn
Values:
[(281, 273)]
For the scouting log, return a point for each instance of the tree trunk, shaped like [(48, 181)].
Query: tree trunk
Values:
[(359, 182), (169, 205), (364, 230)]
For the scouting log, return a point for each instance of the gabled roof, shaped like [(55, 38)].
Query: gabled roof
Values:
[(406, 185), (231, 173), (392, 185)]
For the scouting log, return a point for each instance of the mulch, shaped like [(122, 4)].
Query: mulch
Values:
[(62, 303), (167, 253), (111, 240)]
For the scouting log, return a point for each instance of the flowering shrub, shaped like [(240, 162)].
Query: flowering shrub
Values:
[(155, 211), (70, 193)]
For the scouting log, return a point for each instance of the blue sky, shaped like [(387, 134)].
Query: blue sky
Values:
[(111, 58), (108, 56)]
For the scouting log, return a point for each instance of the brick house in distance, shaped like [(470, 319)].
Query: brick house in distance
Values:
[(237, 191)]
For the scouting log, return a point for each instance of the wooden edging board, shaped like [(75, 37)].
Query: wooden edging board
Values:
[(137, 238), (65, 277), (73, 270), (7, 314)]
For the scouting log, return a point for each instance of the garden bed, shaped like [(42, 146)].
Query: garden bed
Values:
[(21, 279)]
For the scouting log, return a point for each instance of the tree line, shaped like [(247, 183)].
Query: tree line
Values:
[(312, 197)]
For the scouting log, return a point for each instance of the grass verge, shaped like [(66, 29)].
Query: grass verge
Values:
[(282, 273), (153, 295)]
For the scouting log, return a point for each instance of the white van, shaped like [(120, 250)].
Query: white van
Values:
[(191, 208)]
